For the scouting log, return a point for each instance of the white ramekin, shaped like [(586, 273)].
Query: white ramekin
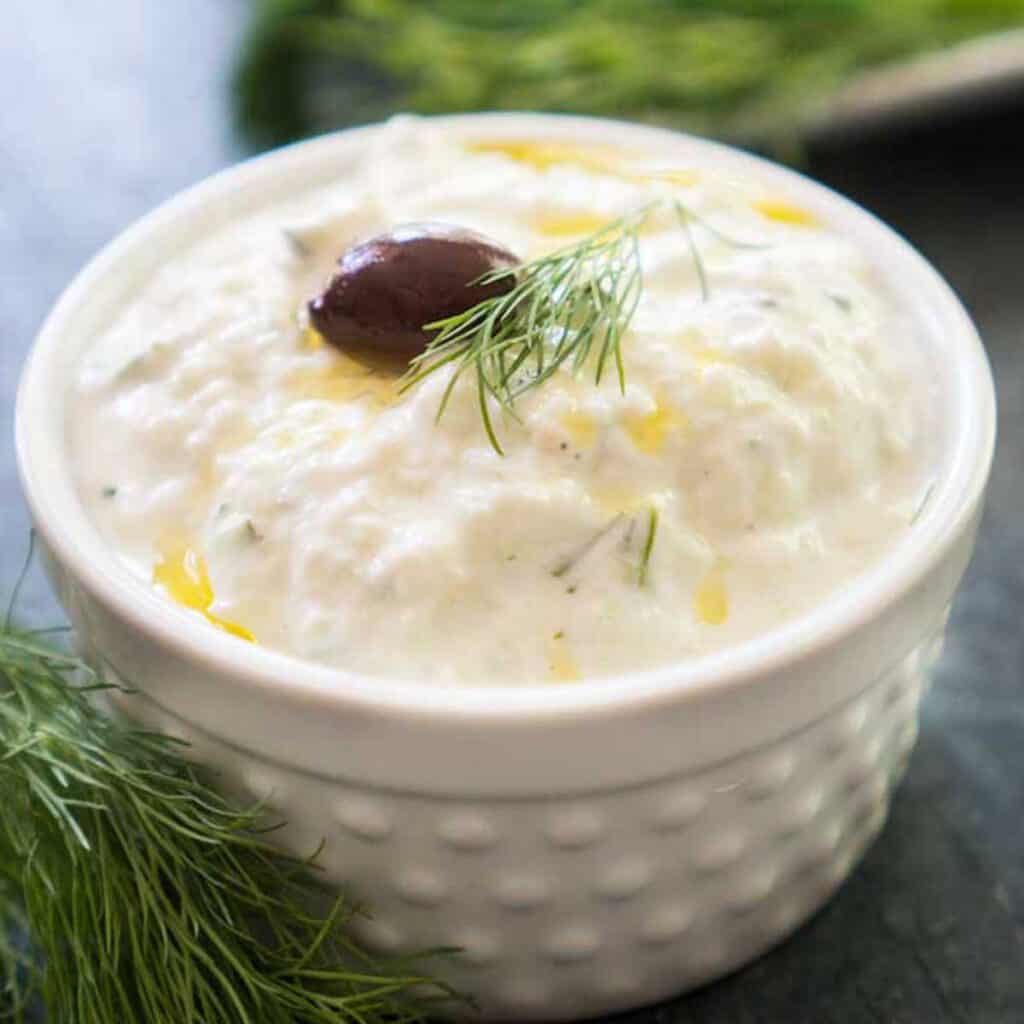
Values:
[(590, 847)]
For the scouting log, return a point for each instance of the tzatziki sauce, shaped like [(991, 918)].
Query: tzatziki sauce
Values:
[(772, 440)]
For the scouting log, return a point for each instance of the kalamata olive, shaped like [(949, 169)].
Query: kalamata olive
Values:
[(387, 288)]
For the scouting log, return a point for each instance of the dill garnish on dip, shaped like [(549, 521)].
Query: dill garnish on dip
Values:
[(545, 419)]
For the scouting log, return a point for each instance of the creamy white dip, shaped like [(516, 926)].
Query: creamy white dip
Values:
[(779, 428)]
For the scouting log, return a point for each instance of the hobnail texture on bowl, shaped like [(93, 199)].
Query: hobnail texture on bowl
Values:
[(590, 903)]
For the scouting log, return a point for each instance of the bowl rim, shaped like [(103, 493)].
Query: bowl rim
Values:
[(77, 546)]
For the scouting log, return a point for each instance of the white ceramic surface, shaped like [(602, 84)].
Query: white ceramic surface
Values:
[(591, 846), (966, 76)]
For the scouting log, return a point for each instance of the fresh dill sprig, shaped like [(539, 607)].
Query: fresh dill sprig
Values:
[(568, 308), (147, 896)]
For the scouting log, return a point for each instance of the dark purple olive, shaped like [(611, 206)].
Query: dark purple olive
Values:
[(385, 289)]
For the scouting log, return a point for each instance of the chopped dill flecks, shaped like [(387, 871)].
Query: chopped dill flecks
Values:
[(570, 563), (645, 555), (298, 247), (922, 504)]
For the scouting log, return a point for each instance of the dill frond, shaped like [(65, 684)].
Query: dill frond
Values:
[(569, 308), (146, 895)]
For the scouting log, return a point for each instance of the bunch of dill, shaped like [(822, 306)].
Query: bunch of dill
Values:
[(147, 897), (748, 69)]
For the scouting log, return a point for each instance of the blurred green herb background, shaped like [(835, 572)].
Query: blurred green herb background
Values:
[(749, 70)]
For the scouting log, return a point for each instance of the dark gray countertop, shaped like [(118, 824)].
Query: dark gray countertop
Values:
[(110, 106)]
